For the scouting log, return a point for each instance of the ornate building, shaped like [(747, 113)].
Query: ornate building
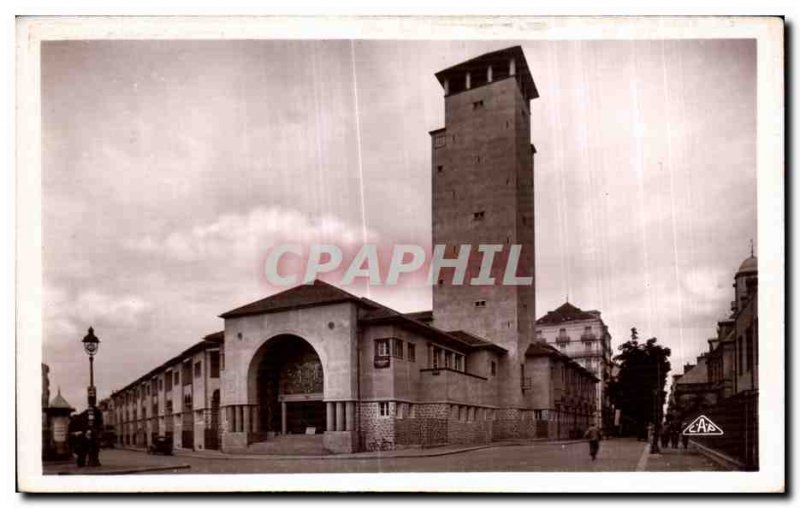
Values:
[(724, 383), (583, 337)]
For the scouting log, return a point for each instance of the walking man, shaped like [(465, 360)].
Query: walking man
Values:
[(593, 435)]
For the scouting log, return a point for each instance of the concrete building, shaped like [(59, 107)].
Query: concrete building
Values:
[(583, 337), (352, 374)]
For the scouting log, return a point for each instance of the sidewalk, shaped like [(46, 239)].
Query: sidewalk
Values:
[(115, 463), (673, 460)]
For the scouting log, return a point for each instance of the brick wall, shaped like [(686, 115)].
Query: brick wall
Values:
[(506, 424), (376, 432)]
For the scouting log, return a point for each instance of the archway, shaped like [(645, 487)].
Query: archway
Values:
[(286, 383)]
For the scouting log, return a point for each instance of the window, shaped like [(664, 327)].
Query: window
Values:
[(478, 216), (382, 347), (176, 378), (448, 360), (588, 344), (439, 140), (397, 348), (493, 367), (480, 303), (213, 358), (537, 414), (436, 358), (459, 366), (412, 352), (412, 411), (439, 169), (198, 369), (383, 409), (381, 353), (401, 408), (477, 105)]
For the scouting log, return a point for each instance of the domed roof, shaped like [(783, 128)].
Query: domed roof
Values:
[(749, 265)]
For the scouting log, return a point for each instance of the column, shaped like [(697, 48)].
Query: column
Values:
[(350, 420), (469, 81), (330, 417), (283, 417), (239, 425), (246, 419), (446, 87), (256, 424), (340, 416), (512, 67), (489, 74)]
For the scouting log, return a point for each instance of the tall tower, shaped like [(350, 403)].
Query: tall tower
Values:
[(483, 194)]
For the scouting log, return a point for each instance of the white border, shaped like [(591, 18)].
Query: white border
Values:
[(769, 32)]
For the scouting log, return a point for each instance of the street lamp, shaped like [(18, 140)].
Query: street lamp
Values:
[(91, 344)]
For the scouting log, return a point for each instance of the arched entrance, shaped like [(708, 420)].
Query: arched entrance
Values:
[(286, 382)]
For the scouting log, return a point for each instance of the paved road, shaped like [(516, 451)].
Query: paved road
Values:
[(615, 455)]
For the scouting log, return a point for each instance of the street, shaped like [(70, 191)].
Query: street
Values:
[(614, 455)]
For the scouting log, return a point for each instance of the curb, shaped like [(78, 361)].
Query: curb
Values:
[(361, 455), (358, 456), (135, 470), (723, 460)]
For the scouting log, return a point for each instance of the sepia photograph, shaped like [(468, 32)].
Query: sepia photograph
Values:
[(263, 250)]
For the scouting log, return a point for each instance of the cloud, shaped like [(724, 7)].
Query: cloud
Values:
[(238, 236)]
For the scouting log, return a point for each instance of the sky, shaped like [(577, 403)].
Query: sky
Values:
[(171, 167)]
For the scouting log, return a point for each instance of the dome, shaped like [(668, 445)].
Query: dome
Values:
[(749, 265)]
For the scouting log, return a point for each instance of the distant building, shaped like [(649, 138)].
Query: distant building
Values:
[(724, 384), (584, 337)]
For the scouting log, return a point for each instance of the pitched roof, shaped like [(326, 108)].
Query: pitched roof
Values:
[(475, 342), (426, 316), (209, 341), (563, 314), (60, 402), (304, 295), (380, 314), (544, 349)]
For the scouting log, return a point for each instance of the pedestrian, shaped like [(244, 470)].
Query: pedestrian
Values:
[(684, 437), (674, 433), (664, 437), (593, 435), (78, 445)]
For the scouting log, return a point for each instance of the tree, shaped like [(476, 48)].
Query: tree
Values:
[(638, 390)]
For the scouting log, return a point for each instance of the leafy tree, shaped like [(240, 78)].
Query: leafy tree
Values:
[(638, 390)]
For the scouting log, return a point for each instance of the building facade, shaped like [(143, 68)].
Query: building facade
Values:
[(583, 337), (723, 385), (318, 361)]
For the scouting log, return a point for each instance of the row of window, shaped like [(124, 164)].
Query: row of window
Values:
[(443, 358), (391, 347), (173, 378)]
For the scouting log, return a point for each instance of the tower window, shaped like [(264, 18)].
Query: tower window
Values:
[(439, 168), (477, 105), (479, 215), (480, 303)]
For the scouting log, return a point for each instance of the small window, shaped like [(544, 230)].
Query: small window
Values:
[(493, 368), (198, 369), (459, 363), (213, 358), (480, 303), (478, 216), (177, 379), (383, 409), (412, 411), (477, 105), (412, 352), (401, 409), (397, 348), (439, 169), (439, 140), (382, 347)]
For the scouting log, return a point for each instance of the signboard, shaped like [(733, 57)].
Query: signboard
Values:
[(702, 426), (311, 430)]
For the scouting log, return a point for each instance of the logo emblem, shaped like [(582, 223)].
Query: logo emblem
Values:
[(702, 426)]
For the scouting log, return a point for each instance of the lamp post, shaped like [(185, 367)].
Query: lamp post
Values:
[(91, 344)]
